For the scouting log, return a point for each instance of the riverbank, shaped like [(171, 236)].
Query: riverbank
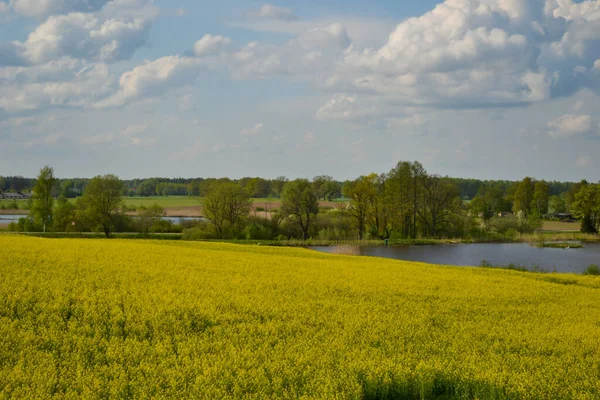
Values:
[(533, 239)]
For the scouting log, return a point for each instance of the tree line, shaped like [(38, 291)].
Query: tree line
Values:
[(327, 187), (405, 203)]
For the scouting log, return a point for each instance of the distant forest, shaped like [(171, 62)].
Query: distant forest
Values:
[(331, 189)]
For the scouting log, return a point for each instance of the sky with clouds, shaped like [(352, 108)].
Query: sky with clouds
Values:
[(490, 89)]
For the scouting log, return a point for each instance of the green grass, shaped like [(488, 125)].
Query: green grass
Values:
[(6, 203), (560, 245)]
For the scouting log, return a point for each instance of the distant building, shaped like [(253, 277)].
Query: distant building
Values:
[(14, 196)]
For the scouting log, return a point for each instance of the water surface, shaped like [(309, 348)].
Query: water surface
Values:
[(561, 260)]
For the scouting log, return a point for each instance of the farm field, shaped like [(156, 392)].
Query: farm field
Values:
[(123, 319), (561, 226)]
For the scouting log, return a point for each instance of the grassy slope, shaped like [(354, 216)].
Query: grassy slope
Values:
[(93, 318)]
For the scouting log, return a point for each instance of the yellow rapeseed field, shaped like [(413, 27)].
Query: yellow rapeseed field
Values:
[(143, 319)]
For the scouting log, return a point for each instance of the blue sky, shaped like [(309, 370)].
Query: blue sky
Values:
[(496, 89)]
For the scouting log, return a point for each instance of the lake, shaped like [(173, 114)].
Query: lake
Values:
[(176, 220), (561, 260)]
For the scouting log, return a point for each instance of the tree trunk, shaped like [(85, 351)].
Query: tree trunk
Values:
[(107, 231)]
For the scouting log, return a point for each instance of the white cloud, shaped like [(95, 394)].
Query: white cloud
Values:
[(309, 55), (209, 45), (309, 137), (181, 12), (254, 131), (584, 162), (189, 153), (45, 140), (270, 11), (345, 107), (571, 125), (65, 82), (111, 34), (153, 78), (132, 135), (134, 130), (4, 7), (97, 139), (43, 8), (476, 53)]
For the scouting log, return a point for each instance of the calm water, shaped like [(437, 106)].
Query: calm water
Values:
[(565, 261), (175, 220), (10, 218)]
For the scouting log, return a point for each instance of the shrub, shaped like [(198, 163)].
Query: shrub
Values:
[(593, 270)]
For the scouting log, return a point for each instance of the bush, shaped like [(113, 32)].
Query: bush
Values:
[(593, 270), (511, 234), (13, 206), (203, 231)]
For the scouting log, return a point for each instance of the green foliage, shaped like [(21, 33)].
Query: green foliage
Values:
[(43, 201), (299, 204), (64, 215), (150, 220), (593, 270), (586, 206), (102, 204), (226, 206)]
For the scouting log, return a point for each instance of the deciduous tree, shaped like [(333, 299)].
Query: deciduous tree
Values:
[(42, 197), (299, 204), (226, 204), (102, 203)]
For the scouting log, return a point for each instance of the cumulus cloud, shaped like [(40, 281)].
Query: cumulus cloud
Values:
[(312, 53), (254, 131), (346, 107), (209, 45), (273, 12), (4, 7), (571, 125), (153, 78), (111, 34), (65, 82), (478, 53)]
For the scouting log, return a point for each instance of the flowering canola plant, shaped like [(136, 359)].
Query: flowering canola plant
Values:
[(83, 318)]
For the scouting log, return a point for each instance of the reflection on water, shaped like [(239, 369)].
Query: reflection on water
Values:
[(561, 260)]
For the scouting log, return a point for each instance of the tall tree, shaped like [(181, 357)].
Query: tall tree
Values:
[(405, 185), (102, 202), (362, 193), (381, 215), (586, 206), (440, 197), (278, 184), (300, 204), (42, 197), (226, 204), (539, 201), (487, 203), (63, 214), (523, 196), (326, 187)]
